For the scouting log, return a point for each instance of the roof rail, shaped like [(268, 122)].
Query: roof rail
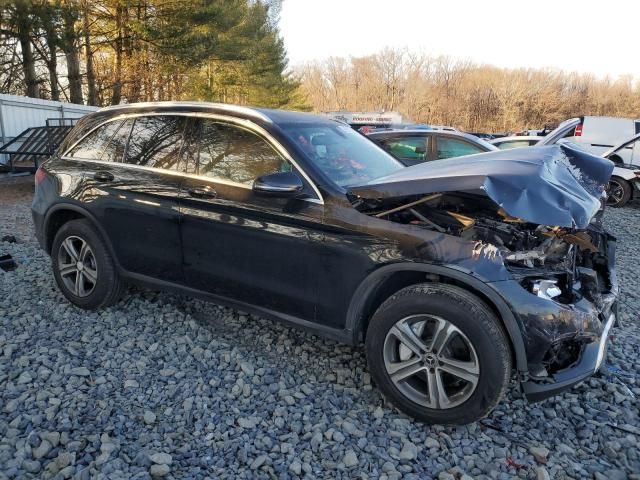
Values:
[(248, 111)]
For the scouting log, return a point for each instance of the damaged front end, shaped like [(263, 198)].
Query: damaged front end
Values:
[(534, 213)]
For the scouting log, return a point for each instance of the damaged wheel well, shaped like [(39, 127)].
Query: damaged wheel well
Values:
[(374, 291)]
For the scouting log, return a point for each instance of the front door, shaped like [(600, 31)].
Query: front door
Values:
[(259, 250)]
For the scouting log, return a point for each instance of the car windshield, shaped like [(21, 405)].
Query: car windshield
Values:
[(345, 156)]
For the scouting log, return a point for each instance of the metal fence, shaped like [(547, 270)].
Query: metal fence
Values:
[(19, 113)]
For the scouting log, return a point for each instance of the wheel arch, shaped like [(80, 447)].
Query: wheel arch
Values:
[(62, 213), (389, 279)]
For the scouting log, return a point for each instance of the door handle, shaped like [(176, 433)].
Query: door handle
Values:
[(203, 192), (103, 176)]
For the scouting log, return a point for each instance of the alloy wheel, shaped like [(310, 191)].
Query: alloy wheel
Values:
[(431, 361), (77, 266), (615, 192)]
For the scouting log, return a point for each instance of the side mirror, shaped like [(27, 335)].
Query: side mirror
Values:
[(278, 184)]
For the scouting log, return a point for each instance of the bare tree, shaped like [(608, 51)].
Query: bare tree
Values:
[(443, 90)]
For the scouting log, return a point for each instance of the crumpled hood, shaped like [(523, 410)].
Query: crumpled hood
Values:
[(554, 185)]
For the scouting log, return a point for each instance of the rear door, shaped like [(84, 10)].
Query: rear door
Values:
[(132, 186), (259, 250)]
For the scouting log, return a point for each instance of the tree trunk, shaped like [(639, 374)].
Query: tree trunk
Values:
[(116, 92), (23, 25), (69, 46), (92, 93), (52, 63)]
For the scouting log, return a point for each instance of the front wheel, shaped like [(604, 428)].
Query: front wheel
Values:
[(439, 354), (618, 192)]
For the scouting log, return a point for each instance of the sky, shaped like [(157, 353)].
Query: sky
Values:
[(596, 36)]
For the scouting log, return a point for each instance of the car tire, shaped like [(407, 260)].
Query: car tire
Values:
[(475, 337), (93, 282), (619, 192)]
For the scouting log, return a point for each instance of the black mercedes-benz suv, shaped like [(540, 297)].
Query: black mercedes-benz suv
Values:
[(456, 275)]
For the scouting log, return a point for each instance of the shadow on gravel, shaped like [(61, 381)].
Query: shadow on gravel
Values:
[(230, 395)]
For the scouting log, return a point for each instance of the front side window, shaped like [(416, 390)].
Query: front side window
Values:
[(95, 146), (413, 149), (452, 147), (233, 153), (156, 141), (344, 155)]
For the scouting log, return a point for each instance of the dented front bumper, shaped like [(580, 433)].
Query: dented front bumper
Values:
[(589, 362), (565, 343)]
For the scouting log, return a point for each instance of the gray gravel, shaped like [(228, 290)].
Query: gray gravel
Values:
[(166, 386)]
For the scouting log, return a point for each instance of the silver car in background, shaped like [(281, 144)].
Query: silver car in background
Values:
[(517, 141)]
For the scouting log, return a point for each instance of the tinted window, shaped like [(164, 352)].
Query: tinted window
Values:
[(114, 150), (570, 133), (408, 148), (92, 147), (156, 142), (344, 155), (513, 144), (452, 147), (233, 153)]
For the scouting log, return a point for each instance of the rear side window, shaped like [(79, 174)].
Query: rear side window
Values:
[(156, 142), (94, 146), (408, 148), (233, 153), (114, 150), (513, 144), (452, 147)]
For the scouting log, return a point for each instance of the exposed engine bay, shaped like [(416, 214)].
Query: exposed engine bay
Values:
[(574, 259)]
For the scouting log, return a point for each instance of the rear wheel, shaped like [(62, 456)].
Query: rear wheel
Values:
[(618, 192), (82, 266), (439, 354)]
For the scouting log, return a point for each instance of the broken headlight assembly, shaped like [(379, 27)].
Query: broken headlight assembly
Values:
[(546, 289), (554, 288)]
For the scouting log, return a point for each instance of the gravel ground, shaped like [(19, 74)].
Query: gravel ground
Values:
[(163, 385)]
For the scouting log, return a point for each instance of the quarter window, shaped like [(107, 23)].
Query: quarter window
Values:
[(156, 142), (98, 145), (451, 147), (233, 153), (114, 150)]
